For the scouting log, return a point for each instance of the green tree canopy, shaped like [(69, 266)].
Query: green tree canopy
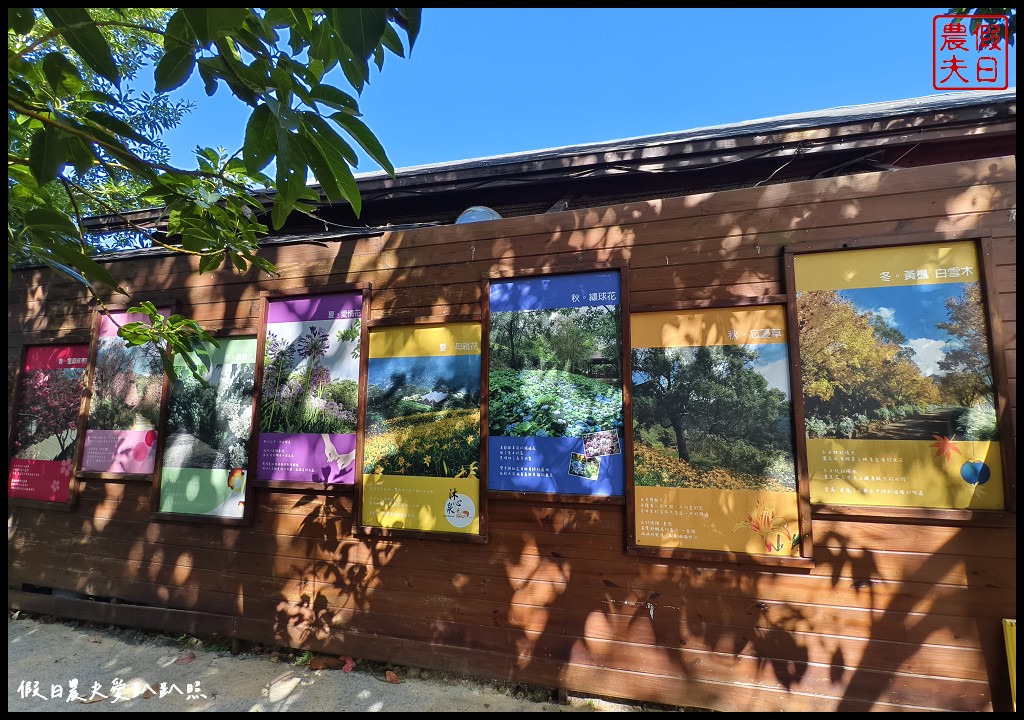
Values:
[(711, 390), (851, 362), (71, 120), (1010, 13)]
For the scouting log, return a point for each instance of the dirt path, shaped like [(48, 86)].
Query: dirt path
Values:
[(123, 670), (918, 427)]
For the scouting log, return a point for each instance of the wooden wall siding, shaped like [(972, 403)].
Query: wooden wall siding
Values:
[(893, 614)]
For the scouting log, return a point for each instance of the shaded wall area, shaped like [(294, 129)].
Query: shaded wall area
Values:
[(893, 614)]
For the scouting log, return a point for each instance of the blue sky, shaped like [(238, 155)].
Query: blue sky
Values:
[(458, 371), (484, 82), (914, 310)]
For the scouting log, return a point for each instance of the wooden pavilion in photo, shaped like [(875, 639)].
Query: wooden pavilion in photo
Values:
[(659, 556)]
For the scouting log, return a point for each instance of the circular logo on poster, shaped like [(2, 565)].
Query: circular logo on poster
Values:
[(459, 510)]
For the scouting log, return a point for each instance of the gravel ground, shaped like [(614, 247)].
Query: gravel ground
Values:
[(51, 660)]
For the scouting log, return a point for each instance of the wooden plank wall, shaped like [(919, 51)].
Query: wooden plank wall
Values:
[(895, 614)]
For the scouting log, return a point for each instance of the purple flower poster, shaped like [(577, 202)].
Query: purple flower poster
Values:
[(555, 412), (309, 401)]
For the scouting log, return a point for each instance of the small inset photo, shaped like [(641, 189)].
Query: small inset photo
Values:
[(584, 467), (605, 442)]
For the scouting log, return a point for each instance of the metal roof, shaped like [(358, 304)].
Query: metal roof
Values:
[(795, 121)]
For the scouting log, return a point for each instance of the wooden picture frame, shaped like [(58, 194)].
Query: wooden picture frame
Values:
[(512, 465), (198, 487), (424, 440), (41, 473), (274, 465), (687, 506), (119, 453), (923, 459)]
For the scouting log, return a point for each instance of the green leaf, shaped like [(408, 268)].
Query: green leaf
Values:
[(210, 262), (209, 23), (174, 68), (314, 151), (316, 70), (63, 269), (392, 42), (46, 154), (50, 220), (95, 96), (61, 73), (116, 125), (290, 177), (178, 32), (227, 19), (335, 98), (77, 151), (412, 21), (260, 139), (279, 17), (238, 262), (356, 71), (321, 44), (359, 28), (328, 157), (198, 20), (366, 139), (20, 20), (75, 258), (208, 71), (315, 125), (80, 32)]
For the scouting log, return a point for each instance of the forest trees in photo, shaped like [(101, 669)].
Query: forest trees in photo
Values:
[(126, 386), (706, 417), (555, 373), (860, 375)]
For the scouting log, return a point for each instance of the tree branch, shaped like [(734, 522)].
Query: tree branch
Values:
[(121, 152), (54, 32), (136, 227)]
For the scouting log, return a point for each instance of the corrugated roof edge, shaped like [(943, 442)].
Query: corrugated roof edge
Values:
[(793, 121), (814, 118)]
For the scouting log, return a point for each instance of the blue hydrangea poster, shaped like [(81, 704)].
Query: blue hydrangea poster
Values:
[(555, 412)]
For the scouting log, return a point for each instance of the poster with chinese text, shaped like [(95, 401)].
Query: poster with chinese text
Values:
[(52, 380), (422, 448), (555, 413), (206, 453), (125, 404), (309, 402), (898, 392), (713, 460)]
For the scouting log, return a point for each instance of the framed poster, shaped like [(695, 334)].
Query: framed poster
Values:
[(126, 393), (51, 381), (554, 384), (205, 457), (713, 458), (421, 456), (898, 391), (309, 395)]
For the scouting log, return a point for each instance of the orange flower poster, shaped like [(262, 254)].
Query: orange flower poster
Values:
[(422, 449)]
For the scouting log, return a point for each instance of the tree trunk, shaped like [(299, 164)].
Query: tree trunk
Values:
[(677, 426)]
